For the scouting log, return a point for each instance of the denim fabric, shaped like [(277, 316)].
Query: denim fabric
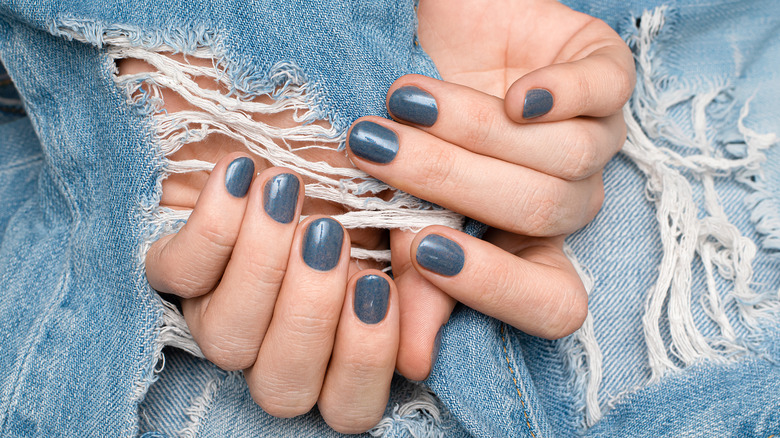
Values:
[(80, 329)]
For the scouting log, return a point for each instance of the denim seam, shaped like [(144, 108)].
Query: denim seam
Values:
[(514, 380)]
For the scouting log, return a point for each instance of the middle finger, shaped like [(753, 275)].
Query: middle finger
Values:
[(287, 377)]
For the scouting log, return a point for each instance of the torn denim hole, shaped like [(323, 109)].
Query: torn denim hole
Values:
[(237, 113), (690, 232), (416, 416), (234, 115)]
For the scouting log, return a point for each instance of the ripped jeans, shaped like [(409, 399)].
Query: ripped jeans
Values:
[(681, 264)]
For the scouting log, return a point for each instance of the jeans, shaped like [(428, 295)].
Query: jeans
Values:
[(681, 264)]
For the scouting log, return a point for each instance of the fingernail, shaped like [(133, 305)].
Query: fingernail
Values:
[(441, 255), (538, 102), (371, 296), (413, 105), (373, 142), (436, 347), (238, 176), (322, 244), (280, 197)]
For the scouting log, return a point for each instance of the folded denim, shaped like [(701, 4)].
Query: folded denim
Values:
[(681, 264)]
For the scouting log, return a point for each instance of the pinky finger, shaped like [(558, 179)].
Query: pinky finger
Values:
[(357, 383)]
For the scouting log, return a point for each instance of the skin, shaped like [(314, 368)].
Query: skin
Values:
[(534, 181)]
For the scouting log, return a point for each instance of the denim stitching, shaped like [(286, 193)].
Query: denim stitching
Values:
[(514, 380)]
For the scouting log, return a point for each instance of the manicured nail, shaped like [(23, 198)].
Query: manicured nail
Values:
[(280, 197), (238, 176), (373, 142), (322, 244), (436, 348), (538, 102), (372, 293), (441, 255), (413, 105)]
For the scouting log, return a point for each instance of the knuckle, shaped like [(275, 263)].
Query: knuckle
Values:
[(481, 122), (213, 235), (182, 282), (567, 310), (228, 354), (436, 167), (541, 211), (623, 83), (498, 286), (364, 366), (581, 159), (279, 400), (351, 423), (266, 272)]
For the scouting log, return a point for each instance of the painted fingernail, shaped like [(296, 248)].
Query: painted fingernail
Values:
[(413, 105), (538, 102), (322, 244), (238, 176), (436, 347), (373, 142), (280, 197), (372, 293), (441, 255)]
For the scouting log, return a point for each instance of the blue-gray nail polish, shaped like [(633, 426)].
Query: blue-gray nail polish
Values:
[(538, 102), (436, 347), (280, 197), (373, 142), (441, 255), (322, 244), (413, 105), (238, 176), (372, 293)]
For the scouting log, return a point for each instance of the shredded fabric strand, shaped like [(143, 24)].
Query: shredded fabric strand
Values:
[(686, 231)]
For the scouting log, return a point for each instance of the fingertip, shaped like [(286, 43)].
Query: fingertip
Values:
[(281, 193), (372, 296), (371, 141), (436, 250)]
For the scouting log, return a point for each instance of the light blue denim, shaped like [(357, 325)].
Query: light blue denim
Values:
[(80, 327)]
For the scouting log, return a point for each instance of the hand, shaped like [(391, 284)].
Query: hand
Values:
[(280, 299), (528, 118)]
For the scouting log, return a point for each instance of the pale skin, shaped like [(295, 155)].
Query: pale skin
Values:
[(253, 304)]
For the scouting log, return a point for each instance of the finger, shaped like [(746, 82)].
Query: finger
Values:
[(287, 377), (532, 287), (424, 310), (357, 384), (597, 85), (189, 263), (572, 149), (230, 323), (500, 194)]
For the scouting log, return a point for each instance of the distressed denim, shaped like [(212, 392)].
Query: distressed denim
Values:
[(682, 263)]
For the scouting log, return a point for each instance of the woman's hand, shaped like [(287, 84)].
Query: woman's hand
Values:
[(515, 138), (280, 299)]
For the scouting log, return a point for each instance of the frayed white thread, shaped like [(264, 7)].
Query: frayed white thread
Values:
[(763, 204), (230, 116), (684, 235), (200, 406), (175, 333), (419, 417), (583, 354)]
